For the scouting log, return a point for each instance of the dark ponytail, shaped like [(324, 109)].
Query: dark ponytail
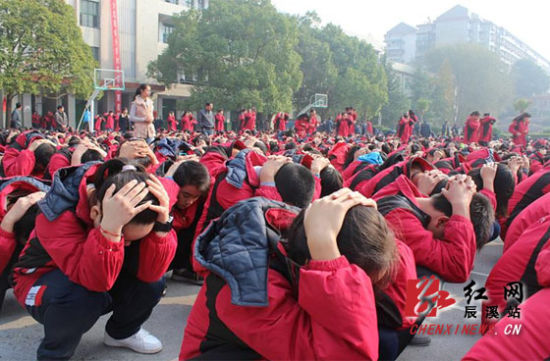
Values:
[(140, 88)]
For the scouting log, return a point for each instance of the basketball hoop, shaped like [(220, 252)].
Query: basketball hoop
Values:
[(109, 79)]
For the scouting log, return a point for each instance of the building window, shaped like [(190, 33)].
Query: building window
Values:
[(166, 31), (202, 4), (89, 13), (95, 52)]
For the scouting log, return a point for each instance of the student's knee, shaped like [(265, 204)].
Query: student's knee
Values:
[(150, 291)]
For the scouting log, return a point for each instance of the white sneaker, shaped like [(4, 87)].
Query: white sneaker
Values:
[(142, 342)]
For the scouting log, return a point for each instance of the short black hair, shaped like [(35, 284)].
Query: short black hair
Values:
[(193, 173), (59, 107), (42, 156), (90, 155), (331, 181), (504, 185), (482, 215), (295, 184), (17, 105)]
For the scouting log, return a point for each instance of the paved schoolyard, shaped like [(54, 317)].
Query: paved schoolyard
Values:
[(20, 334)]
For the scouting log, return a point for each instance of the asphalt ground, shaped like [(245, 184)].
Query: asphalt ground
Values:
[(20, 334)]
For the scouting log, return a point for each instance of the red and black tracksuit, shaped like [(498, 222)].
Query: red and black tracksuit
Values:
[(531, 343), (452, 257), (18, 160), (529, 215), (518, 264), (525, 193), (69, 274)]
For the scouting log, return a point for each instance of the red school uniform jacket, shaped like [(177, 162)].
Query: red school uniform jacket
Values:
[(533, 213), (471, 127), (451, 257), (172, 123), (518, 264), (220, 122), (525, 193), (519, 131), (486, 129), (9, 249), (66, 239), (349, 331)]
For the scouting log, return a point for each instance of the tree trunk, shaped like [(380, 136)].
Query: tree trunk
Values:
[(7, 118)]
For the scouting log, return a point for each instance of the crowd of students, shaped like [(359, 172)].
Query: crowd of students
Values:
[(303, 241)]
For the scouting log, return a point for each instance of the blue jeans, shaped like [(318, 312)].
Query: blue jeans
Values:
[(207, 131), (69, 310)]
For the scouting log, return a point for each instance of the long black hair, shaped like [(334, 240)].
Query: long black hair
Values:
[(140, 89)]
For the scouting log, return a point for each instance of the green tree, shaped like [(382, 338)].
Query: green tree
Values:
[(482, 81), (398, 102), (529, 78), (422, 86), (359, 68), (442, 107), (320, 73), (42, 50), (521, 105), (423, 106), (241, 53)]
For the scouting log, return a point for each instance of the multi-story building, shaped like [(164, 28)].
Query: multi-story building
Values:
[(143, 27), (459, 25), (401, 43)]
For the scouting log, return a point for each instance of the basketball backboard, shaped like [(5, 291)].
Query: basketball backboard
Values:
[(109, 79), (320, 101)]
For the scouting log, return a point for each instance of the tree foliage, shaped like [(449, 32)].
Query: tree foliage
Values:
[(482, 80), (398, 101), (442, 105), (521, 105), (241, 52), (244, 53), (529, 79), (42, 50)]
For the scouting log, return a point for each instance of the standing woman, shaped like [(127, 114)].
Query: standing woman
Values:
[(141, 114)]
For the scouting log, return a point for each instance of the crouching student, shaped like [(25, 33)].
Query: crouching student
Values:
[(193, 181), (526, 337), (317, 303), (443, 230), (102, 243), (29, 155), (18, 210)]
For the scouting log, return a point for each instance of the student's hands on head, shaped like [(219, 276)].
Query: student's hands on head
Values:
[(132, 149), (319, 163), (119, 208), (18, 210), (459, 192), (488, 173), (515, 163), (427, 181), (38, 142), (271, 167), (158, 190), (323, 220), (181, 159)]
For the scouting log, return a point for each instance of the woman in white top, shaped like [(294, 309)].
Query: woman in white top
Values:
[(141, 114)]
